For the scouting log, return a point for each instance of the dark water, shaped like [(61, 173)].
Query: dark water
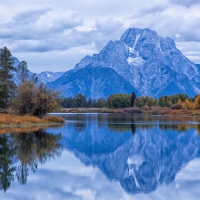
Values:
[(103, 156)]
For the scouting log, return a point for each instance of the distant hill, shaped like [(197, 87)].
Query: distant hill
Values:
[(43, 77), (48, 76)]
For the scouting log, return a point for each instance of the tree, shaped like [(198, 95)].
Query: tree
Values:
[(26, 91), (101, 103), (7, 85), (133, 97), (46, 100), (67, 102), (197, 102), (23, 73), (79, 101), (119, 101), (187, 104), (38, 99), (145, 101)]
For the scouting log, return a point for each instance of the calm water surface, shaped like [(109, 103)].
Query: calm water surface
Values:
[(103, 156)]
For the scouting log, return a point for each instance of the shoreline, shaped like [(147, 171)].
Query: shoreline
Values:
[(151, 111), (16, 121)]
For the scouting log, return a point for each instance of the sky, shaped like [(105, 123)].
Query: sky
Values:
[(54, 35)]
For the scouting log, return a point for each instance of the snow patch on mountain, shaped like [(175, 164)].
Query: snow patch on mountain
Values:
[(138, 61), (48, 76), (136, 40)]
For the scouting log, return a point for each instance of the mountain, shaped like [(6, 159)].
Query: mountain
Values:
[(48, 76), (94, 82), (151, 64), (43, 77)]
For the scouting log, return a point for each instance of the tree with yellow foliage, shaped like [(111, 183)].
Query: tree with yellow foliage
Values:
[(197, 102), (35, 99), (186, 104)]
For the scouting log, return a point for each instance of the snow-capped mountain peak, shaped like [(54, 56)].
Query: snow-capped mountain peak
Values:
[(151, 64)]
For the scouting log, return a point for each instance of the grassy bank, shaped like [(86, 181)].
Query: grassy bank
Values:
[(151, 111), (91, 110), (25, 128), (16, 120)]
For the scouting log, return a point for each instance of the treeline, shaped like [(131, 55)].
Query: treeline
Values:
[(80, 101), (113, 101), (26, 97), (177, 101)]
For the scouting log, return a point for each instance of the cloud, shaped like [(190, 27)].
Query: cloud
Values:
[(29, 16), (186, 3), (67, 178), (49, 26), (148, 10), (41, 31)]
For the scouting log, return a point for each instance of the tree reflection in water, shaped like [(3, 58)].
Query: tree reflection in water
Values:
[(21, 152)]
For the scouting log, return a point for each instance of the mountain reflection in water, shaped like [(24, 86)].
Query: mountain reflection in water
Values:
[(150, 152), (22, 152), (137, 155)]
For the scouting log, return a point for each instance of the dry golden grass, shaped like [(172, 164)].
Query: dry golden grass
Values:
[(55, 119), (16, 120)]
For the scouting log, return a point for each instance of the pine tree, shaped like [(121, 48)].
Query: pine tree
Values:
[(133, 97), (7, 85), (22, 72)]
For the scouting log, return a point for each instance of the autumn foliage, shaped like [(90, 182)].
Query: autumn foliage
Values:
[(35, 99)]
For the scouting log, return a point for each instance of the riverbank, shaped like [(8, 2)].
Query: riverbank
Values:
[(151, 111), (12, 120)]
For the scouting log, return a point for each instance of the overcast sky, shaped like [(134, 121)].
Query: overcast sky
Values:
[(54, 35)]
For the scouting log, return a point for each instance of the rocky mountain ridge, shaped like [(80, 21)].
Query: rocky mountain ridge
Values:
[(48, 76), (139, 61), (151, 64)]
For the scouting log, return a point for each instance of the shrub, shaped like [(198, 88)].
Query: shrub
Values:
[(176, 106), (132, 110)]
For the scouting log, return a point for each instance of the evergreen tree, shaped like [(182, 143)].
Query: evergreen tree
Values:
[(22, 72), (7, 85), (101, 103), (67, 102), (79, 101), (133, 97)]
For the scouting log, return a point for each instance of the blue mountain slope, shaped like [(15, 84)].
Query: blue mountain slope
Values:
[(153, 65), (140, 60), (95, 82)]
